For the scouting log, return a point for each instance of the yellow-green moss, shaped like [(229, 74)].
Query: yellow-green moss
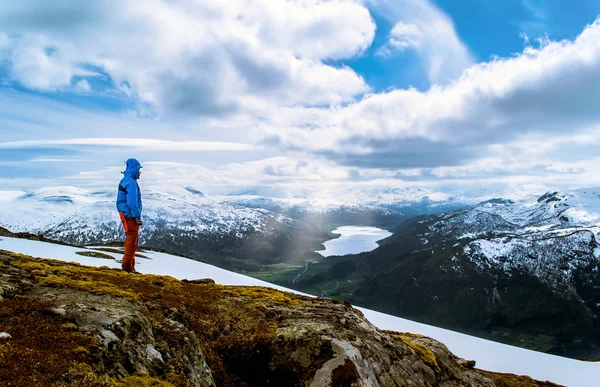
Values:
[(81, 374), (69, 326), (263, 295), (511, 380), (95, 287), (424, 353), (143, 381), (80, 351), (30, 265), (231, 323), (396, 334), (43, 346)]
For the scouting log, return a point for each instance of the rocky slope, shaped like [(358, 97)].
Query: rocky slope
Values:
[(65, 324)]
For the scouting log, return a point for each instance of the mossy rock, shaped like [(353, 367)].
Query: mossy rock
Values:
[(74, 325)]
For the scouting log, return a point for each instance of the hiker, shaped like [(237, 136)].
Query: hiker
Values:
[(129, 205)]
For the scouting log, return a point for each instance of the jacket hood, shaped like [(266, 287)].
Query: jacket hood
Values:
[(133, 168)]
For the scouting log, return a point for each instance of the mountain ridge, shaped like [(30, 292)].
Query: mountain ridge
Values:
[(181, 219), (523, 273)]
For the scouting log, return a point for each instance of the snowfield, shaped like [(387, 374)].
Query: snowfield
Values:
[(489, 355)]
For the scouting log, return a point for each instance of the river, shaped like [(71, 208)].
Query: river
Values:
[(353, 240)]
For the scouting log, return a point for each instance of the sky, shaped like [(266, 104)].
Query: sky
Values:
[(301, 94)]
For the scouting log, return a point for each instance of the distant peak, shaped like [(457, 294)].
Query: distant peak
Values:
[(194, 191), (497, 202), (550, 197)]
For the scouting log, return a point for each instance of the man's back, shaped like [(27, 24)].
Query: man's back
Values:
[(129, 205), (129, 197)]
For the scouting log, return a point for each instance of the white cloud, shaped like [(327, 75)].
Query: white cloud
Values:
[(420, 25), (403, 36), (233, 69), (57, 160), (289, 177), (83, 86), (37, 65), (282, 174), (35, 117), (145, 143), (314, 29), (200, 58), (550, 91)]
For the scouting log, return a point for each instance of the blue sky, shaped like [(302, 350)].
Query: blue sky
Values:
[(285, 93)]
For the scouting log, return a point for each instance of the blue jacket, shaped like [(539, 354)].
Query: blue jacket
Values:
[(129, 197)]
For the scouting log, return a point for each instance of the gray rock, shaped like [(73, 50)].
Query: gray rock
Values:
[(8, 289), (330, 344), (108, 336), (202, 281), (130, 345), (5, 336), (153, 354)]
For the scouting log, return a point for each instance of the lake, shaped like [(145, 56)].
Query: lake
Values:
[(353, 240)]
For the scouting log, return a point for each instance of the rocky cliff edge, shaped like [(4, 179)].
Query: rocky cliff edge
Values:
[(64, 324)]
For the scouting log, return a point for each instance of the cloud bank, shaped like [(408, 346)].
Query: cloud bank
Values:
[(543, 97), (255, 79), (145, 143), (197, 58)]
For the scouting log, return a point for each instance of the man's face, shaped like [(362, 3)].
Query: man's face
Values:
[(139, 174)]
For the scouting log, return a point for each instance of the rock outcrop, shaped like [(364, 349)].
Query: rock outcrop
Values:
[(68, 324)]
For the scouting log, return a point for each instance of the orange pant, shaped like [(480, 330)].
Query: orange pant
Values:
[(131, 242)]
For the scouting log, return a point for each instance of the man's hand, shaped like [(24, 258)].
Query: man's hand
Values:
[(138, 221)]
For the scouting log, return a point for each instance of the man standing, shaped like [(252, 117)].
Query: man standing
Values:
[(129, 205)]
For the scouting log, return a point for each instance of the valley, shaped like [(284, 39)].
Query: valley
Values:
[(350, 240), (523, 272)]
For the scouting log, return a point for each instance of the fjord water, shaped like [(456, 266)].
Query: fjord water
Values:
[(353, 240)]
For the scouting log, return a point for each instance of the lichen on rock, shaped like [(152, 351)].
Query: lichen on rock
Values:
[(73, 325)]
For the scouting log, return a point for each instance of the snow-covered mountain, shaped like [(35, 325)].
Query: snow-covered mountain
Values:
[(379, 196), (525, 273), (181, 219), (550, 238), (488, 355), (381, 199), (80, 216), (359, 205), (260, 225)]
